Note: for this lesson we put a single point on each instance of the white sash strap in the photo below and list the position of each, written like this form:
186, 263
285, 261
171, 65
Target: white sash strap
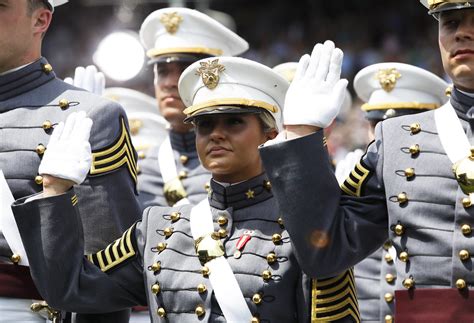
167, 165
226, 289
451, 133
8, 224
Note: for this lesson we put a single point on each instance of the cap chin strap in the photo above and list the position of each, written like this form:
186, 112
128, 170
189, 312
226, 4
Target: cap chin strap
226, 289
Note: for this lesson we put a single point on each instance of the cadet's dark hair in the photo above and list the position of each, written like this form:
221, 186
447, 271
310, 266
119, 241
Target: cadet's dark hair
36, 4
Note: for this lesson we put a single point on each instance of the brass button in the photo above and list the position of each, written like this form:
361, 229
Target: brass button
402, 198
15, 258
161, 312
255, 320
222, 220
40, 149
47, 68
168, 232
200, 311
39, 179
464, 255
387, 245
267, 185
280, 222
47, 125
388, 297
156, 267
466, 229
161, 246
389, 278
388, 258
403, 256
461, 284
448, 91
415, 128
388, 319
276, 238
139, 170
399, 230
408, 283
271, 258
183, 159
409, 172
222, 233
183, 174
267, 275
175, 216
201, 288
207, 187
466, 202
63, 104
257, 299
155, 289
414, 149
205, 271
141, 154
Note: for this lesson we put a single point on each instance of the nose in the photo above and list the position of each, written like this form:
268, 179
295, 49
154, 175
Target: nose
218, 131
465, 30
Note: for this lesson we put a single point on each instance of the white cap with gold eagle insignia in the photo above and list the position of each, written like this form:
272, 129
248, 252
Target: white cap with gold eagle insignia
232, 85
176, 33
437, 6
393, 89
55, 3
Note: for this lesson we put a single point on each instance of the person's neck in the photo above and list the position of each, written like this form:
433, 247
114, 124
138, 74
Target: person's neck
469, 93
14, 69
182, 129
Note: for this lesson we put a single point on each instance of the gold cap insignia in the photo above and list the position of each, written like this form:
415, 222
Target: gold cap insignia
209, 72
388, 78
171, 21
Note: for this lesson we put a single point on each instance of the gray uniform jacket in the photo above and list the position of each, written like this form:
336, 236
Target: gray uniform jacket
194, 178
32, 102
155, 261
402, 189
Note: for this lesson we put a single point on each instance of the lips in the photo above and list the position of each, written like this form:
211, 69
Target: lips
216, 149
463, 51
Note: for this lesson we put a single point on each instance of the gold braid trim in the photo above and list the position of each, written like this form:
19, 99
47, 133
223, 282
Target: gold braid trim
353, 184
118, 154
116, 253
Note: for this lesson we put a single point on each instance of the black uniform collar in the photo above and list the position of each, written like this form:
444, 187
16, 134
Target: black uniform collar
463, 104
25, 79
183, 142
238, 196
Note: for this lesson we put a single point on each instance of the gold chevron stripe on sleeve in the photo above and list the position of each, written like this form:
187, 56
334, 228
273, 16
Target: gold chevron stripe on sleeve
334, 298
118, 154
116, 253
354, 183
74, 200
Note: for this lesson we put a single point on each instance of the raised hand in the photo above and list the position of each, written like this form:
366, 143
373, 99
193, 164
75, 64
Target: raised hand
68, 156
88, 78
316, 94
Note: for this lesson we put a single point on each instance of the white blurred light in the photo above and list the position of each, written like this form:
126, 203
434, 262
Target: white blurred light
120, 55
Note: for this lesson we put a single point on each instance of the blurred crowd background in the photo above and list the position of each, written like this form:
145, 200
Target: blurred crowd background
368, 31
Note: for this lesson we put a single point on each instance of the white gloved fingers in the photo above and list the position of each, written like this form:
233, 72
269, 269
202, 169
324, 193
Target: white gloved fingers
335, 66
58, 130
99, 83
339, 92
301, 67
324, 61
314, 62
69, 80
79, 74
89, 78
69, 126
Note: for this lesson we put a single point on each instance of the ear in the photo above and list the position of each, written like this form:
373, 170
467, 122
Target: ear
271, 134
41, 20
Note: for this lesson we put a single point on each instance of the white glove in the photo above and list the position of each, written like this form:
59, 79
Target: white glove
68, 154
88, 78
316, 94
345, 166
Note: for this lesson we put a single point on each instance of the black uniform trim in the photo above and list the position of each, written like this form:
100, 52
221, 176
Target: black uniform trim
120, 153
357, 178
117, 252
334, 298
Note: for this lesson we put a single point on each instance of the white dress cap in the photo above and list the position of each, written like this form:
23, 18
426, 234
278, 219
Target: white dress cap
55, 3
399, 86
187, 31
232, 85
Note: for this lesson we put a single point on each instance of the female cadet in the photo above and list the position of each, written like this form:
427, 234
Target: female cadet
227, 259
